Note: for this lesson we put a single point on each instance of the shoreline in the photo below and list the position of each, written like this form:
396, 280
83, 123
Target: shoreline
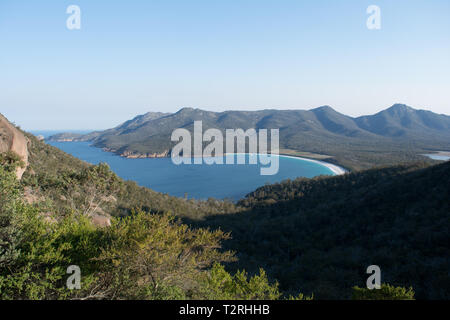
337, 170
438, 153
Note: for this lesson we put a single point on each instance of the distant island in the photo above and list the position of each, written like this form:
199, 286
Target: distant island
397, 134
65, 137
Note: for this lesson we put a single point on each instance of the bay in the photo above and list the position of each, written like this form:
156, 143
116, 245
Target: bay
194, 181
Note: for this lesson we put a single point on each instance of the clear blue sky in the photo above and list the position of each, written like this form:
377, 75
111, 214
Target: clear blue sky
133, 56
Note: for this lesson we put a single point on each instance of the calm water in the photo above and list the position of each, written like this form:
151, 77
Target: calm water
197, 181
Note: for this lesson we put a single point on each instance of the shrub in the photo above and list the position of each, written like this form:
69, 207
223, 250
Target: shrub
386, 292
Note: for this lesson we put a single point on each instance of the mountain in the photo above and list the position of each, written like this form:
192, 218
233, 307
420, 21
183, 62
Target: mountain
395, 135
403, 121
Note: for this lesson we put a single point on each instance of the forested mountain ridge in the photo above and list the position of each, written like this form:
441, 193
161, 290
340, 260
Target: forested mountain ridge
404, 121
395, 135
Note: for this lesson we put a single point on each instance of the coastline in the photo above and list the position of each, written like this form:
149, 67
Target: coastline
337, 170
438, 155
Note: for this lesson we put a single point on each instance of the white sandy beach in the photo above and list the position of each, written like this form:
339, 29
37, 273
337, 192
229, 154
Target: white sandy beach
438, 155
334, 168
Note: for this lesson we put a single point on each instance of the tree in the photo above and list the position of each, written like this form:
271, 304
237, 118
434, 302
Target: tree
154, 257
218, 284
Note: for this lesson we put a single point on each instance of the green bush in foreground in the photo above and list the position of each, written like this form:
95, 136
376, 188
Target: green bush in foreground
142, 256
10, 192
386, 292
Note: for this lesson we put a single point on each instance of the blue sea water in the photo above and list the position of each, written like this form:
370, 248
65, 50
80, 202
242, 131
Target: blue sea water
196, 181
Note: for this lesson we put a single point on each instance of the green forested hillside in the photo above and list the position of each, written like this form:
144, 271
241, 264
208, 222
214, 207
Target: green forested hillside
320, 235
315, 236
46, 226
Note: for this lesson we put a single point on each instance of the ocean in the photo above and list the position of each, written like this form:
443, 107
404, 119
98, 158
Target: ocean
193, 181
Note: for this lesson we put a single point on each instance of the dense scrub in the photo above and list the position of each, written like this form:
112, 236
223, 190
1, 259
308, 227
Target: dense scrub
319, 235
142, 256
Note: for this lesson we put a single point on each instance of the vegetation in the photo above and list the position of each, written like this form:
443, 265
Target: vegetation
66, 182
142, 256
9, 203
319, 235
396, 135
386, 292
315, 236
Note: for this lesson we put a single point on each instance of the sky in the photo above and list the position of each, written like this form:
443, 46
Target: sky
131, 57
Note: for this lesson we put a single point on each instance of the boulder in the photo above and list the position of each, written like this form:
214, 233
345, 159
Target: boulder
12, 139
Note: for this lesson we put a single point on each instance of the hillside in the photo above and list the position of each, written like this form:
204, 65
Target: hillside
315, 236
398, 134
406, 122
320, 235
49, 220
58, 176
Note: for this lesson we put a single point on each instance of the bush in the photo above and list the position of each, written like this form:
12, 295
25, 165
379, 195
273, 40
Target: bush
386, 292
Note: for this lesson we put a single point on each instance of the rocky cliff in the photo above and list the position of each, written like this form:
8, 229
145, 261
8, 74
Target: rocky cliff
12, 139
